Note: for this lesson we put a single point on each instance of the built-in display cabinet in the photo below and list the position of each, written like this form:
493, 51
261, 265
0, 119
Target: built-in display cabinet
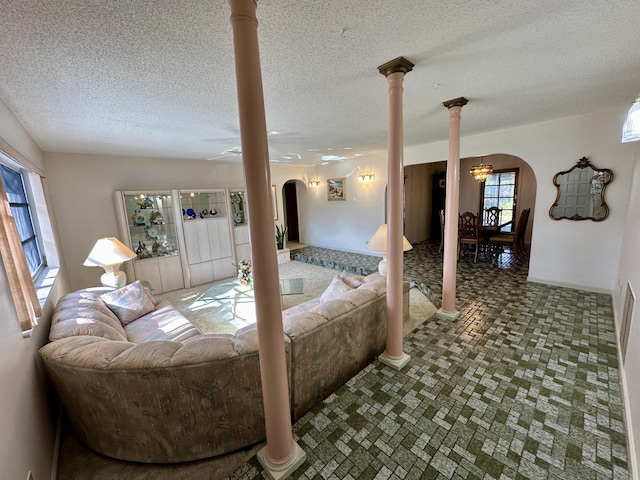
148, 225
183, 238
238, 203
207, 236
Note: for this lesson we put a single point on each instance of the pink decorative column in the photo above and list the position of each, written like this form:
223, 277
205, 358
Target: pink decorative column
451, 211
282, 455
395, 71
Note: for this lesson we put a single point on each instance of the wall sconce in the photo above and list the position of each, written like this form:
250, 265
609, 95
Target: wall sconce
631, 128
366, 177
314, 183
481, 172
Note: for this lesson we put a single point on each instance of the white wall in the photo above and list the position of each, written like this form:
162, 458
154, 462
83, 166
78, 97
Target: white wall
629, 272
559, 248
28, 415
82, 186
344, 225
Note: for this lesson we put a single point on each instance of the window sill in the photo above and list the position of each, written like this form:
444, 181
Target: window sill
44, 282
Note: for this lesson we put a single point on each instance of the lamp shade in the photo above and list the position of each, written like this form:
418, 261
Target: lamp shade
108, 251
378, 242
631, 128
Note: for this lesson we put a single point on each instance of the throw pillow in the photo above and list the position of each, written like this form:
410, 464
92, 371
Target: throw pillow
354, 281
129, 302
336, 288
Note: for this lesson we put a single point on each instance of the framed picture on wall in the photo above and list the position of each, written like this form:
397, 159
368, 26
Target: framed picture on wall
337, 189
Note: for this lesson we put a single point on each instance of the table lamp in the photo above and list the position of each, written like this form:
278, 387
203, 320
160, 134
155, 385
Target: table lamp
109, 253
378, 243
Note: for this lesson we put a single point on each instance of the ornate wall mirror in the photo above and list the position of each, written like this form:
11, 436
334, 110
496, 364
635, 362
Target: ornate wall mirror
581, 193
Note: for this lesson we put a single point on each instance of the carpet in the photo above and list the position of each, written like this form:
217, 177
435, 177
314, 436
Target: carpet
214, 308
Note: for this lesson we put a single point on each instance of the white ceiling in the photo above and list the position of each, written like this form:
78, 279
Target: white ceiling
156, 78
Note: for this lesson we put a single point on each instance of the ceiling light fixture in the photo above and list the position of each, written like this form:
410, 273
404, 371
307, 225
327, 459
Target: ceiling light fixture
481, 172
631, 128
332, 158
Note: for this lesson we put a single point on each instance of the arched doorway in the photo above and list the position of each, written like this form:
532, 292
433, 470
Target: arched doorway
425, 193
290, 209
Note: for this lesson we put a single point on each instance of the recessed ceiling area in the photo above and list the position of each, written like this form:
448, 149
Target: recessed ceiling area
157, 79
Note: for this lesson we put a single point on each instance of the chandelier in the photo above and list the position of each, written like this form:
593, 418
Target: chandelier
481, 172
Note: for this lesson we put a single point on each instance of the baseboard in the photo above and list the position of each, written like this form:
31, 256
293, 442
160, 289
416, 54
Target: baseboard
569, 285
56, 446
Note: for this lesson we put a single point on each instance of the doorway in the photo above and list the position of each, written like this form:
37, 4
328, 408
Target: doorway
290, 209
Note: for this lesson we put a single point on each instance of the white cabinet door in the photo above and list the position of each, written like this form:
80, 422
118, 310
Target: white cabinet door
147, 270
241, 239
213, 239
204, 244
163, 273
209, 250
201, 273
224, 239
223, 268
170, 273
243, 252
191, 242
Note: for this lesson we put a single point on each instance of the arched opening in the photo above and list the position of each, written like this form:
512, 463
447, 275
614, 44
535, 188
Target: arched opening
425, 193
291, 211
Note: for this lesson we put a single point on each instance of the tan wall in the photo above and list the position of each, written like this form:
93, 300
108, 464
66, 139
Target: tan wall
418, 200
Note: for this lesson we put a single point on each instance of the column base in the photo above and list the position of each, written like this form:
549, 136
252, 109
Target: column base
441, 314
278, 471
395, 363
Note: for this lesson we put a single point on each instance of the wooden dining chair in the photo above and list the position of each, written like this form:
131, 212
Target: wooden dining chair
492, 217
468, 234
514, 241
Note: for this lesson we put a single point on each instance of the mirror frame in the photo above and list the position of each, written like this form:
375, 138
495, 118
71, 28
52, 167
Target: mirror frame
583, 163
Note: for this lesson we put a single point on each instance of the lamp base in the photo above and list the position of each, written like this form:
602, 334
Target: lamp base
382, 266
115, 279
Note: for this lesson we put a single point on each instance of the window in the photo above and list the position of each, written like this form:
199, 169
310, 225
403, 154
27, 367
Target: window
20, 208
27, 245
499, 190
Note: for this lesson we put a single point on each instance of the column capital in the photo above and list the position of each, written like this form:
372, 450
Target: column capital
399, 64
456, 102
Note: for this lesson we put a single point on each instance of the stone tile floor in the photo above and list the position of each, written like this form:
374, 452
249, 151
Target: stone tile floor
525, 385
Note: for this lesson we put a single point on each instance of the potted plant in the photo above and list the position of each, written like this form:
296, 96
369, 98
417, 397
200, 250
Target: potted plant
281, 231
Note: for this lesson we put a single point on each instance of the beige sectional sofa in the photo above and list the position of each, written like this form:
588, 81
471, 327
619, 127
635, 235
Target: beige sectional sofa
156, 390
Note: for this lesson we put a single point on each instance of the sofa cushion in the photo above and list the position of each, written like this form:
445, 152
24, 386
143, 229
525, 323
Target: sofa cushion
129, 302
81, 326
163, 323
337, 287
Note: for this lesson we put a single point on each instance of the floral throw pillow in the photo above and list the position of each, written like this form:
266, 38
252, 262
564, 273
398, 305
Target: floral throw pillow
354, 281
129, 302
336, 288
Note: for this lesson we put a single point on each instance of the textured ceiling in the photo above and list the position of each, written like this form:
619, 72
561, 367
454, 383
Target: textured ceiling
156, 78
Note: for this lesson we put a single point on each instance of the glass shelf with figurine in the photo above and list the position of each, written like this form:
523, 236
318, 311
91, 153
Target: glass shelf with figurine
152, 229
203, 204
